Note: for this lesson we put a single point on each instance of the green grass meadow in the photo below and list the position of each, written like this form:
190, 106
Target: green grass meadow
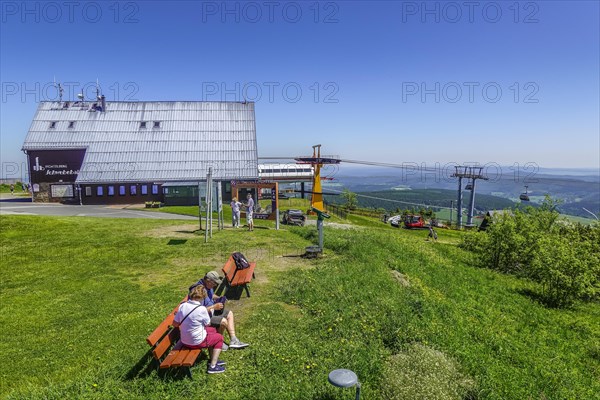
411, 317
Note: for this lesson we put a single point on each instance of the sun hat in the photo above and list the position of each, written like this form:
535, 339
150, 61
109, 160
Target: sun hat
214, 276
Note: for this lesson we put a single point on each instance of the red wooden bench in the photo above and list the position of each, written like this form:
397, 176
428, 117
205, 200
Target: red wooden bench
165, 337
237, 277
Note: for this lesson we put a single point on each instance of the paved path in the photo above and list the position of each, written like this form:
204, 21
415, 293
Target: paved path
13, 205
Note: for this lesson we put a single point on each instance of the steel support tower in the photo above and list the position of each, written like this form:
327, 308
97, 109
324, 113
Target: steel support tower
472, 174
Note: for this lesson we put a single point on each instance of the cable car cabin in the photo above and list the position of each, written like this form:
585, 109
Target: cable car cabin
469, 187
524, 196
414, 222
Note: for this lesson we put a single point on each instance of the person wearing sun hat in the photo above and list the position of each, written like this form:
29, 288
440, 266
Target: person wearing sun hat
221, 317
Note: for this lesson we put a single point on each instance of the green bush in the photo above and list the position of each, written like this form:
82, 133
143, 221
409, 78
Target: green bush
568, 268
533, 243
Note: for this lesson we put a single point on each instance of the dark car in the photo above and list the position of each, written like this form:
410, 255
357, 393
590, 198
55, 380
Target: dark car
293, 217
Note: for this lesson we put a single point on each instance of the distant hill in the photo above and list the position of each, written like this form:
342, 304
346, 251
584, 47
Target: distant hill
578, 190
428, 197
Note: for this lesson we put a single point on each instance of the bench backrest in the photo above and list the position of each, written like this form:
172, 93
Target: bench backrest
163, 346
229, 269
164, 332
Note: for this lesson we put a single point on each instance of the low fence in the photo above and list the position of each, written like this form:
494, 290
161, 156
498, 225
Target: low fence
336, 210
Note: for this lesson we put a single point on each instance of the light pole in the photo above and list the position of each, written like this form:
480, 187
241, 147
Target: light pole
345, 378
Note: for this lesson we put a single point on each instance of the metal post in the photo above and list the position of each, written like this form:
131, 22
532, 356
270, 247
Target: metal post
199, 206
320, 230
208, 205
221, 223
211, 204
459, 204
301, 190
451, 209
471, 204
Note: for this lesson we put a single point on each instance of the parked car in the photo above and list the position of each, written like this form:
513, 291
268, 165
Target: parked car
396, 221
414, 222
293, 217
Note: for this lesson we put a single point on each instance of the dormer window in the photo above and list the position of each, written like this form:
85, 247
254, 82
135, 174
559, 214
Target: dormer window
156, 124
143, 125
71, 124
53, 125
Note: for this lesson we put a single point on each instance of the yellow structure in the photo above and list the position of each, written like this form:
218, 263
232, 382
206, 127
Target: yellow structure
317, 162
317, 195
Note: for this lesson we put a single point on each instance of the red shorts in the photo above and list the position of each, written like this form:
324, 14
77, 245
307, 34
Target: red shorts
213, 339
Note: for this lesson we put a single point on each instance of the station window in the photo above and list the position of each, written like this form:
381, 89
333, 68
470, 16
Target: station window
156, 124
122, 190
144, 190
71, 124
88, 191
100, 191
143, 124
154, 189
133, 190
111, 191
52, 124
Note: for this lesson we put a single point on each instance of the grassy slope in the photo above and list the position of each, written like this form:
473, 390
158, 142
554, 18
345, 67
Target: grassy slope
80, 295
512, 346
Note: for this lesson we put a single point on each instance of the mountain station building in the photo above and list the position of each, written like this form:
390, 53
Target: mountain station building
132, 152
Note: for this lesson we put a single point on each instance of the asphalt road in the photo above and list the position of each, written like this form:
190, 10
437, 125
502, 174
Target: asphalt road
16, 205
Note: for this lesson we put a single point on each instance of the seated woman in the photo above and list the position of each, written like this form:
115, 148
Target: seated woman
196, 333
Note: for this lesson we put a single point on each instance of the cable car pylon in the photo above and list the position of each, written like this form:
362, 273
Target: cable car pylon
317, 161
472, 173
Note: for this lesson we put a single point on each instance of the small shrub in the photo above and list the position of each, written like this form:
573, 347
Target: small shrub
424, 373
567, 269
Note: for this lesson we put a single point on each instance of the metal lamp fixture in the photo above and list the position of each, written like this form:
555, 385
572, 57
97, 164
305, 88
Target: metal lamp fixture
345, 378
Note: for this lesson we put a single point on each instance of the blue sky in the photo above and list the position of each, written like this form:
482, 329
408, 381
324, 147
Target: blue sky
394, 82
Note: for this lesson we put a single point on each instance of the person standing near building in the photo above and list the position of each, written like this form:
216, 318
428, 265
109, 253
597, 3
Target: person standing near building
235, 212
250, 212
12, 188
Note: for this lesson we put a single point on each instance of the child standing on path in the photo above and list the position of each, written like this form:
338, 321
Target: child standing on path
235, 212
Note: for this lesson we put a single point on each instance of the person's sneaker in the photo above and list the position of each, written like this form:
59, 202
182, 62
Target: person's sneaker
220, 363
225, 347
217, 369
236, 344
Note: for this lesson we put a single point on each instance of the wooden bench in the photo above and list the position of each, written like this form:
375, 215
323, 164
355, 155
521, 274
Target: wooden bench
166, 337
237, 277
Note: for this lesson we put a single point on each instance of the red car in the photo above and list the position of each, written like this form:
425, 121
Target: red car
414, 222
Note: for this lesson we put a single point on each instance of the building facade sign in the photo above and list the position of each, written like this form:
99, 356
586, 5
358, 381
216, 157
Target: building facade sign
55, 165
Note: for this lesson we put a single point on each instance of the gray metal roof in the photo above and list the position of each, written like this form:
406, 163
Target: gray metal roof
192, 136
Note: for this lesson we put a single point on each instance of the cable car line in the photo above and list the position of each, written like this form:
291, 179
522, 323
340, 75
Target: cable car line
394, 201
